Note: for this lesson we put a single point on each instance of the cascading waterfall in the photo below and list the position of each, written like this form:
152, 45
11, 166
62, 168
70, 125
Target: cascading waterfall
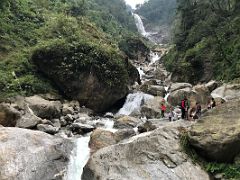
141, 72
134, 102
139, 25
81, 151
78, 158
154, 57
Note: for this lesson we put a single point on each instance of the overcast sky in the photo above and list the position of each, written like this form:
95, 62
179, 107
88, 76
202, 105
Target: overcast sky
133, 3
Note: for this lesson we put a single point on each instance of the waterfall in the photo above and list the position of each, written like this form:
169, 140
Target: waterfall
154, 57
81, 151
78, 158
134, 102
141, 72
139, 25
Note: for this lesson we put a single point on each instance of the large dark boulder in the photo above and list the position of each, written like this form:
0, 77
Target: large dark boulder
135, 48
95, 75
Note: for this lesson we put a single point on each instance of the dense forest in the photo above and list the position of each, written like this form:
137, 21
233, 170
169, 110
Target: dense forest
207, 41
28, 26
158, 12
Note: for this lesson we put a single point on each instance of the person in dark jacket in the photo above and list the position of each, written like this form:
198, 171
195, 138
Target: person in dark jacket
184, 108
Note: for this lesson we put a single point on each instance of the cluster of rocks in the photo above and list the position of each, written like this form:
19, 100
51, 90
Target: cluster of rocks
48, 115
153, 155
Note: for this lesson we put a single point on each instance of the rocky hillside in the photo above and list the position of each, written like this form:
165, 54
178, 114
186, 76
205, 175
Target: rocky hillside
206, 41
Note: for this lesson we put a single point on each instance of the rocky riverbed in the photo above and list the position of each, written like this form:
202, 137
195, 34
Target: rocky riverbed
53, 133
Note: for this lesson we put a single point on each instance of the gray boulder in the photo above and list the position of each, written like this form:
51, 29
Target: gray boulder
126, 122
124, 134
47, 128
177, 86
217, 135
212, 85
227, 92
44, 108
28, 120
156, 90
147, 126
151, 108
32, 155
101, 138
80, 128
153, 155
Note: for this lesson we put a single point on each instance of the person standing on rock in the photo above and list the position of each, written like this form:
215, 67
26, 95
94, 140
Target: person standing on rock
198, 110
213, 103
184, 108
171, 114
163, 109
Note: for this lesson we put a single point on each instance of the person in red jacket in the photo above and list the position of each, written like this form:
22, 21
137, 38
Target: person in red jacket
163, 109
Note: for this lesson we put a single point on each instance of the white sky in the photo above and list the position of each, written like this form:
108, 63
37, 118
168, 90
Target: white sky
133, 3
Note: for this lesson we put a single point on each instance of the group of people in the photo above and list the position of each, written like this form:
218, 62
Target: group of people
186, 112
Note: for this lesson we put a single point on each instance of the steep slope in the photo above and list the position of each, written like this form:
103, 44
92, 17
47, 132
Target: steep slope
206, 41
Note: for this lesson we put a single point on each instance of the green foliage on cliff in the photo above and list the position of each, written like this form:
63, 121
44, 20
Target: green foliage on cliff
26, 25
158, 12
207, 41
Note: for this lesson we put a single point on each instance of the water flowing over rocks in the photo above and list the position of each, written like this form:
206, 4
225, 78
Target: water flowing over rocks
216, 135
28, 155
134, 102
155, 155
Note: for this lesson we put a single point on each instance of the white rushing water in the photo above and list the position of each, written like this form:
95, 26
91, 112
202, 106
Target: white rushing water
140, 25
81, 151
134, 102
78, 158
141, 72
154, 57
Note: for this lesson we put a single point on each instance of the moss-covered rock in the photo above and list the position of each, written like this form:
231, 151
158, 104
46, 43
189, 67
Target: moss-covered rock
135, 48
94, 74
